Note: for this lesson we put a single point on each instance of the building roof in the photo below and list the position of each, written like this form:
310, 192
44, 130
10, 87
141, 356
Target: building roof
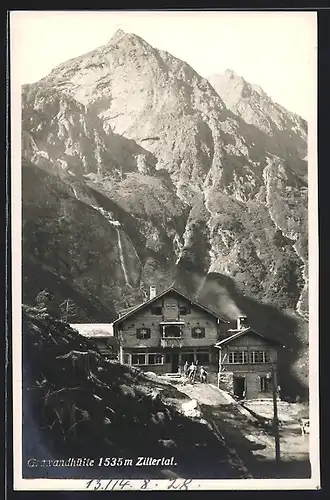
171, 289
125, 311
94, 330
242, 332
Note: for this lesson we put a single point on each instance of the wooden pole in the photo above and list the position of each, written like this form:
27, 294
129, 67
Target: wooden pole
219, 368
275, 418
121, 350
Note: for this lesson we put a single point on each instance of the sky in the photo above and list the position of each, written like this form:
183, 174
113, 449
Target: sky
276, 50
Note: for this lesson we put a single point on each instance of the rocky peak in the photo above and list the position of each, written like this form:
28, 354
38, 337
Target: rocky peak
233, 87
231, 75
117, 36
287, 130
122, 39
247, 89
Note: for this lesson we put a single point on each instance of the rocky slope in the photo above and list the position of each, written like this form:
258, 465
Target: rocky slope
136, 172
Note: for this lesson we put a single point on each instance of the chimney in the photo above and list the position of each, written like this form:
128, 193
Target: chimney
152, 292
241, 322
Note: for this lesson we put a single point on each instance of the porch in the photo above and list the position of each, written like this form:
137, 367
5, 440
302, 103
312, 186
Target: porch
171, 360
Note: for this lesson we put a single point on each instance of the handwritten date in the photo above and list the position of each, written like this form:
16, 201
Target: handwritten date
144, 484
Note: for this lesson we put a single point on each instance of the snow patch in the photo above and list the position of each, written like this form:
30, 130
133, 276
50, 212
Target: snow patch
44, 154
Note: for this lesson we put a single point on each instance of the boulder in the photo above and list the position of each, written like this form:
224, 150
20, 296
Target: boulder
167, 443
158, 418
191, 409
128, 391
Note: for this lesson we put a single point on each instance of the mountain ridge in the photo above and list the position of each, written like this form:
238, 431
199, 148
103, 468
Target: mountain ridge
250, 102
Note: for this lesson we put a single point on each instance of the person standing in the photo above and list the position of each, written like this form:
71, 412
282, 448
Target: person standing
203, 374
191, 371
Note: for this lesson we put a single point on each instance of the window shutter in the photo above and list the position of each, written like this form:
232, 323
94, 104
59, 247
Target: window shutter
143, 333
198, 332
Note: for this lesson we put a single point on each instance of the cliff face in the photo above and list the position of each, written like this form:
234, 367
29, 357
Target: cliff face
139, 171
284, 133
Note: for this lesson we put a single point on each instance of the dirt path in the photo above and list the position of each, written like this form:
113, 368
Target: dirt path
253, 444
205, 394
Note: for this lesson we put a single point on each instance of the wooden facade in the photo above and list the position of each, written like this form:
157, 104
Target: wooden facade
168, 330
247, 364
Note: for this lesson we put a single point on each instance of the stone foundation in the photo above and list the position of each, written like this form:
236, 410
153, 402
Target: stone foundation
226, 382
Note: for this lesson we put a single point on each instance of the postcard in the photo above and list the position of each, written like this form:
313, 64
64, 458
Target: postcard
164, 250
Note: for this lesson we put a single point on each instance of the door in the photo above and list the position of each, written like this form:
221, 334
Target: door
239, 387
187, 357
175, 363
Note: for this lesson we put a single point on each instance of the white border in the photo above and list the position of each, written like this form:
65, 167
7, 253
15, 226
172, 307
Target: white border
80, 484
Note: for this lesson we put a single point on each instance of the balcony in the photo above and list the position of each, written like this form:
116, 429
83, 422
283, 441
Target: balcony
171, 342
171, 334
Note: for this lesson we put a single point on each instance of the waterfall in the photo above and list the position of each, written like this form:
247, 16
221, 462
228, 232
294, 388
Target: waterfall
74, 192
121, 256
109, 217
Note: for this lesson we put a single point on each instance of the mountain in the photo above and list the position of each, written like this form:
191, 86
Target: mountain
137, 172
285, 133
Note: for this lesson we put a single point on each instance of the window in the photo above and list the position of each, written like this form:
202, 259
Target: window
259, 357
155, 359
184, 310
172, 331
126, 359
265, 384
156, 310
171, 305
198, 332
143, 333
203, 357
238, 357
139, 359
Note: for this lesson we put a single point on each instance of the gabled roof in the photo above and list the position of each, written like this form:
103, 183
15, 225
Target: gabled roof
240, 333
165, 292
125, 311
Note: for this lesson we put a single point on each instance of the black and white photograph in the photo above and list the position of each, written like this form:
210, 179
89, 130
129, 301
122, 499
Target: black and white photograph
164, 250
